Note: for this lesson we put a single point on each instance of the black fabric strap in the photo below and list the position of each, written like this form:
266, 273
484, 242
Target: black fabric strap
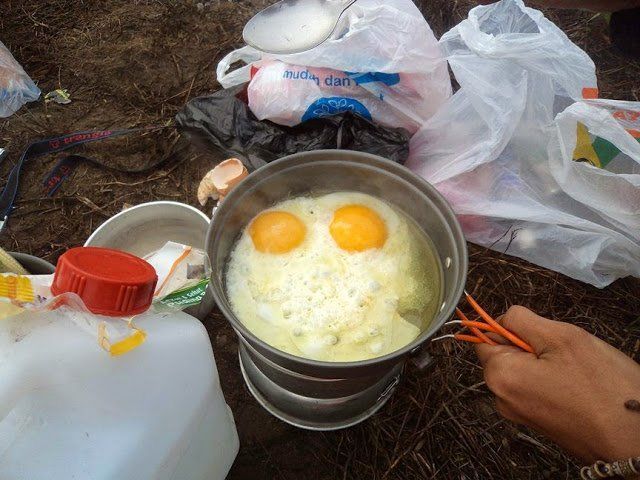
58, 144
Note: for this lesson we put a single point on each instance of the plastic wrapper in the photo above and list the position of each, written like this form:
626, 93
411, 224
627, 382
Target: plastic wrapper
224, 120
183, 276
16, 88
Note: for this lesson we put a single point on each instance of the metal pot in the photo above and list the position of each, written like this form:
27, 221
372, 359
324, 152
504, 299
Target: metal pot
329, 395
33, 265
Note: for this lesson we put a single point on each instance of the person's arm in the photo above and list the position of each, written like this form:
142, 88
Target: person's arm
577, 390
593, 5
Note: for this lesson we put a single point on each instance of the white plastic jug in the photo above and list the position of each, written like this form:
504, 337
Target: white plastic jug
70, 410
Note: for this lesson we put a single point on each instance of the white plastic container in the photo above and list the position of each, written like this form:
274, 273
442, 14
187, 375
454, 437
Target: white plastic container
69, 410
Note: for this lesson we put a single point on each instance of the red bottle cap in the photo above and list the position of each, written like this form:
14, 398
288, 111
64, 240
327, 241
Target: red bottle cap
109, 282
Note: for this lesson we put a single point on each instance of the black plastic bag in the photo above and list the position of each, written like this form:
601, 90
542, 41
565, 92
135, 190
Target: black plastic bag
224, 120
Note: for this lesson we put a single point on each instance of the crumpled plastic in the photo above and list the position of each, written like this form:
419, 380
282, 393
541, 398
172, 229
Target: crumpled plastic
16, 88
224, 120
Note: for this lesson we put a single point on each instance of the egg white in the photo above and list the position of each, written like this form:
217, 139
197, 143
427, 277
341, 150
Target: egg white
321, 302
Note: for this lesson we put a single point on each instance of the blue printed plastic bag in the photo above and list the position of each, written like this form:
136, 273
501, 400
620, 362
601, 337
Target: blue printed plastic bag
291, 94
16, 88
382, 62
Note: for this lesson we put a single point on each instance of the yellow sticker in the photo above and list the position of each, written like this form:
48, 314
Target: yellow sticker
584, 151
16, 287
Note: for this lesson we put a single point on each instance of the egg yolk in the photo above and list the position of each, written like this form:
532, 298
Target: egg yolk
356, 228
276, 232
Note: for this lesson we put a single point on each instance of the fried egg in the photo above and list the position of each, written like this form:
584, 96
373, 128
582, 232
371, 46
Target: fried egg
338, 277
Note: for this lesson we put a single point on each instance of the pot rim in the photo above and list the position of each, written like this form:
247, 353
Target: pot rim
395, 169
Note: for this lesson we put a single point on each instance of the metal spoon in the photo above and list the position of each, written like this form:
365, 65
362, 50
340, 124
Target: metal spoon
292, 26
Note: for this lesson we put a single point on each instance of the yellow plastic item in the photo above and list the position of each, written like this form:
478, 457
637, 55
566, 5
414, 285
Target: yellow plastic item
122, 346
16, 287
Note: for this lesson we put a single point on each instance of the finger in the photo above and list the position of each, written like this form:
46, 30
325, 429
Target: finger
506, 371
537, 331
488, 352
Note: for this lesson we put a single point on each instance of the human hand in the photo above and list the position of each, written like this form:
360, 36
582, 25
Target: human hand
573, 390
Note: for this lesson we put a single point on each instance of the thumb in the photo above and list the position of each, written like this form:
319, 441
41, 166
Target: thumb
537, 331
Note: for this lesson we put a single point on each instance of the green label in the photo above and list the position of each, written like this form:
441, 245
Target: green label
185, 297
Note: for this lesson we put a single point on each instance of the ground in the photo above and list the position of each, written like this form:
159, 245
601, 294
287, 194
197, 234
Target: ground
130, 63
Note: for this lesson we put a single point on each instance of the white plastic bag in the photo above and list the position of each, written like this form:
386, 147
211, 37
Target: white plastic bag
16, 88
594, 157
504, 160
385, 50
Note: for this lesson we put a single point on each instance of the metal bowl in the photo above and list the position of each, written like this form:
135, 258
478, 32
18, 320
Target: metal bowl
144, 228
33, 265
318, 172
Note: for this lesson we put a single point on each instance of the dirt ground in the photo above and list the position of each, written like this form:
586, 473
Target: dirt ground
132, 63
